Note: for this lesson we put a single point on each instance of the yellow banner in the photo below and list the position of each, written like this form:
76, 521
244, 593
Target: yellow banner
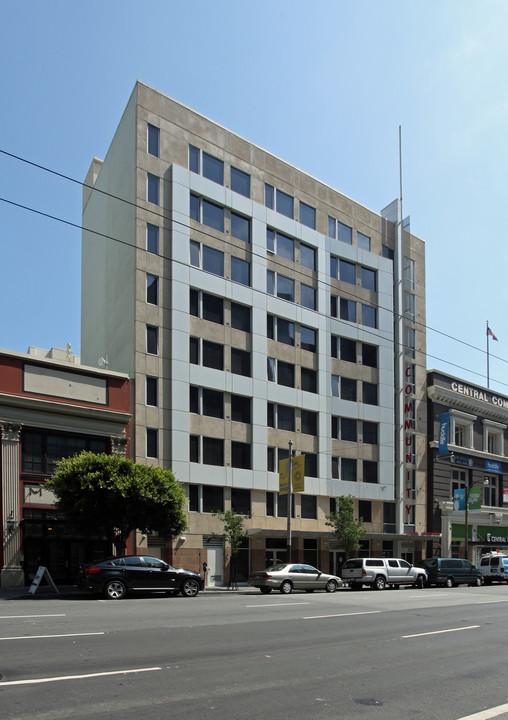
297, 475
283, 477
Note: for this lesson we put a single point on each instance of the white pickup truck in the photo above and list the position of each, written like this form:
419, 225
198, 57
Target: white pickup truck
380, 572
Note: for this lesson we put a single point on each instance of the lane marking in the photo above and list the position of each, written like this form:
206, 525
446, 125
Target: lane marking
318, 617
15, 617
486, 714
490, 602
38, 681
38, 637
440, 632
278, 604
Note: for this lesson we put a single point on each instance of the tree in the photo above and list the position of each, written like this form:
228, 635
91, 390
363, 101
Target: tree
346, 529
234, 533
112, 495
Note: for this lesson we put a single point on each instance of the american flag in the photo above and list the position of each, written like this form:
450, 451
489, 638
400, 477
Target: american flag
489, 332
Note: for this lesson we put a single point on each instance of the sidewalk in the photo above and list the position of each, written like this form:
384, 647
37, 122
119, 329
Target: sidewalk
66, 591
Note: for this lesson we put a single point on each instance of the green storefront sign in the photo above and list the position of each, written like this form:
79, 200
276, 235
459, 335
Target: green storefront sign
485, 534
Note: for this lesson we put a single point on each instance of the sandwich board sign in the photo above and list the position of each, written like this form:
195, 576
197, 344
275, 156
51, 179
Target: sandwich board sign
41, 572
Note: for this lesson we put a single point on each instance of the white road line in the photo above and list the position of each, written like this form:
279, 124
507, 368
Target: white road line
277, 604
16, 617
439, 632
38, 637
486, 714
37, 681
319, 617
489, 602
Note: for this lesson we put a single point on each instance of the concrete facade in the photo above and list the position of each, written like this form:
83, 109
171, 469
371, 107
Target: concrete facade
253, 305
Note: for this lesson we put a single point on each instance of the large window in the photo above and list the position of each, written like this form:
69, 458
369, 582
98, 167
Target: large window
369, 316
369, 355
205, 212
153, 140
307, 296
240, 182
152, 392
152, 188
308, 506
240, 227
241, 455
281, 417
368, 278
152, 340
240, 317
363, 241
343, 349
344, 388
40, 451
280, 244
240, 501
309, 379
280, 329
307, 257
152, 443
308, 339
284, 203
369, 393
152, 238
152, 289
240, 271
344, 469
206, 498
280, 372
240, 409
309, 422
240, 362
344, 429
210, 166
207, 258
340, 231
370, 471
307, 215
280, 285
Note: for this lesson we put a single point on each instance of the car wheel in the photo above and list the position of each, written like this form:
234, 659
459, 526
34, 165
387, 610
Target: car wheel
379, 583
419, 582
115, 590
476, 583
331, 586
449, 582
189, 588
266, 591
286, 587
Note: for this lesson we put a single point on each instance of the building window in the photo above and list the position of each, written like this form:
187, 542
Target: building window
194, 399
308, 507
152, 188
153, 140
240, 362
240, 227
309, 422
365, 510
347, 310
280, 244
369, 316
409, 273
307, 215
461, 428
280, 285
308, 339
369, 355
344, 388
307, 257
409, 307
213, 403
152, 391
369, 393
270, 505
240, 182
207, 258
240, 455
493, 440
344, 429
491, 494
213, 355
152, 340
40, 450
368, 278
269, 196
311, 465
213, 451
152, 239
194, 448
307, 297
240, 317
281, 417
347, 272
213, 168
283, 371
309, 381
207, 213
194, 159
344, 469
370, 471
284, 204
240, 409
240, 501
280, 329
194, 350
213, 498
345, 233
240, 271
152, 450
343, 349
193, 498
213, 308
152, 289
370, 433
363, 241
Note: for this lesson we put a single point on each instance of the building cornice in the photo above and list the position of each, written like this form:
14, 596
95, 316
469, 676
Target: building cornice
480, 407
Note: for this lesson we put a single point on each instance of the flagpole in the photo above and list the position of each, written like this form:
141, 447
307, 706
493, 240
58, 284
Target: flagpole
487, 353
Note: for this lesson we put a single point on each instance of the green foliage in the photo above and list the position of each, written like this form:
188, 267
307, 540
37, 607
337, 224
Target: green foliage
113, 495
234, 530
346, 529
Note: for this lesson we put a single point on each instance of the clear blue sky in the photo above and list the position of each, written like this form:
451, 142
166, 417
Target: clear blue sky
324, 85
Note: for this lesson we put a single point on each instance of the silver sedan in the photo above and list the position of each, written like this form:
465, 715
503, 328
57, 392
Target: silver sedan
287, 577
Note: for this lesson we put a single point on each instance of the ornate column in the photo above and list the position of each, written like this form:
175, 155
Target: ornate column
11, 572
119, 444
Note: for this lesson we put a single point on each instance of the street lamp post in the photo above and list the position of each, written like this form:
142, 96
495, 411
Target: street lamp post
469, 487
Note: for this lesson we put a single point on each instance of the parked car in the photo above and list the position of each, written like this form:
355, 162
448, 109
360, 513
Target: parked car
450, 572
114, 577
380, 572
494, 566
287, 577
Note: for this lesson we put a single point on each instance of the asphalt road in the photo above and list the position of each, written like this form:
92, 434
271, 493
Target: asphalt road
392, 655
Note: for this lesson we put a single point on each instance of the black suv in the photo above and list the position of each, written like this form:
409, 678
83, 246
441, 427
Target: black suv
114, 577
450, 572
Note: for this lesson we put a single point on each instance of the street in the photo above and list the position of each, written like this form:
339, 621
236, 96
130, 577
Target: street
397, 654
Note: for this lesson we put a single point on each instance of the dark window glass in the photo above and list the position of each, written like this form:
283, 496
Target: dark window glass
270, 240
213, 309
213, 355
368, 316
240, 182
213, 498
332, 227
307, 257
368, 278
309, 422
348, 350
152, 391
347, 310
307, 297
309, 506
194, 208
369, 355
308, 339
152, 289
307, 215
240, 317
282, 509
270, 506
193, 498
270, 327
333, 305
151, 443
369, 393
348, 389
213, 215
387, 252
193, 399
153, 140
311, 465
240, 271
194, 159
285, 374
335, 427
269, 196
270, 282
240, 409
347, 272
213, 454
270, 415
285, 331
334, 266
285, 247
152, 339
285, 418
240, 501
285, 204
240, 227
213, 169
270, 369
345, 233
333, 505
194, 448
363, 241
213, 403
285, 288
213, 261
152, 189
348, 469
195, 253
365, 510
194, 302
152, 238
194, 350
240, 455
348, 429
369, 471
309, 380
370, 433
240, 362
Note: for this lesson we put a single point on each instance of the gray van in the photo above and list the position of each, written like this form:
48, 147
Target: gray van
450, 572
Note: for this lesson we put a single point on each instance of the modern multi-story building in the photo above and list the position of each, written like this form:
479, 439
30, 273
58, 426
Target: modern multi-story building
51, 407
468, 437
255, 306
